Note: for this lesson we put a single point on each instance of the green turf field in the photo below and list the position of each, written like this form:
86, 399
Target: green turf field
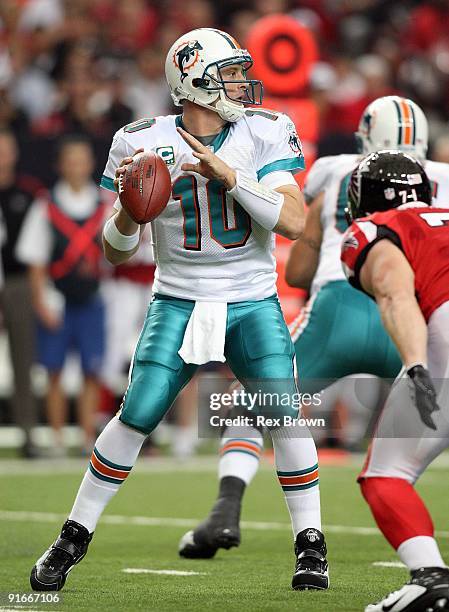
254, 577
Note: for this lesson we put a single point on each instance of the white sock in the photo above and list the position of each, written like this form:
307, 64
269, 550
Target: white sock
115, 453
240, 453
421, 551
297, 469
184, 441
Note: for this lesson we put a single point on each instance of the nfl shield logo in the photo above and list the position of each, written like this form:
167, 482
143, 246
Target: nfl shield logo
389, 193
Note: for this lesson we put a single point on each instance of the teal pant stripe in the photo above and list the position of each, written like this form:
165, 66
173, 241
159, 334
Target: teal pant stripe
249, 440
299, 472
115, 466
302, 487
239, 450
105, 478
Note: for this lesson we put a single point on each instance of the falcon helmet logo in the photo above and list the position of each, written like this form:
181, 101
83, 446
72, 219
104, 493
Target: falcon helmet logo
186, 56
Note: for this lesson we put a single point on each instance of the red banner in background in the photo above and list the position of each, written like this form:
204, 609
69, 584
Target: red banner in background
284, 52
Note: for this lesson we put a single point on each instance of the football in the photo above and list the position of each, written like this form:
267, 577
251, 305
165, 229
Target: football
144, 189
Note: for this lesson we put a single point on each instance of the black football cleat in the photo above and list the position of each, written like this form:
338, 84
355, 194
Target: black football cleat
426, 591
51, 570
220, 530
311, 569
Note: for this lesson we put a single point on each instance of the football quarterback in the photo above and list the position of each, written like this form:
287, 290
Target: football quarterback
231, 165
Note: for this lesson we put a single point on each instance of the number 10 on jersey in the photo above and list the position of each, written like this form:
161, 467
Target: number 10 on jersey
185, 190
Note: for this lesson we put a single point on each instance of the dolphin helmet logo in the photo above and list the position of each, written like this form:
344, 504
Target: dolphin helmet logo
186, 56
368, 122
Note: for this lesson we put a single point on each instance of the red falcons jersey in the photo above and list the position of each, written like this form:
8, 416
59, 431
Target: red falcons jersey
421, 232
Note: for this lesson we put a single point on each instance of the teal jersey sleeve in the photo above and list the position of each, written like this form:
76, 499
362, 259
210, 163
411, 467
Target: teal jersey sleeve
119, 149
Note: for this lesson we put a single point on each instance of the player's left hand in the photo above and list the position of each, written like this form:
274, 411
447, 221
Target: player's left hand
425, 394
121, 168
210, 166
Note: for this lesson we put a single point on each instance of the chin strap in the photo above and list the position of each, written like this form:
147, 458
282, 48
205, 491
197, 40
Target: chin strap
228, 111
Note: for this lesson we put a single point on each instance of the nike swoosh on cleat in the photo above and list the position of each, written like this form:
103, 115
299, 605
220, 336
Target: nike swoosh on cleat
411, 594
390, 607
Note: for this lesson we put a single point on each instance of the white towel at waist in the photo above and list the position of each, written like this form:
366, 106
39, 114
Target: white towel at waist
205, 334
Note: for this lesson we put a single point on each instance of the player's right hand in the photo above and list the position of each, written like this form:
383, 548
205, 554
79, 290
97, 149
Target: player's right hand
425, 394
121, 167
209, 165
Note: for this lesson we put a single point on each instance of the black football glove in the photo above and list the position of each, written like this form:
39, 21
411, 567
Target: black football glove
425, 394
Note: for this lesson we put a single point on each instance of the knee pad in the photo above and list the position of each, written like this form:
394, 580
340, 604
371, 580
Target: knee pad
148, 397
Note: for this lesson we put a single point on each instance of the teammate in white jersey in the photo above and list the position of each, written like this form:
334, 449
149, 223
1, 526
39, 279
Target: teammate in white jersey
215, 295
339, 332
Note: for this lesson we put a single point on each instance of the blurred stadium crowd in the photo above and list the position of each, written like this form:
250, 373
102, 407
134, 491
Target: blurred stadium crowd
87, 67
91, 66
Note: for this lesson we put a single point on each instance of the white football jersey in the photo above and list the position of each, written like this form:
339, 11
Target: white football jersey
331, 174
206, 246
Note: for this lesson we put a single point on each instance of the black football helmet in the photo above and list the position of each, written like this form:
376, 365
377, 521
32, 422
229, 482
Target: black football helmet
385, 180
